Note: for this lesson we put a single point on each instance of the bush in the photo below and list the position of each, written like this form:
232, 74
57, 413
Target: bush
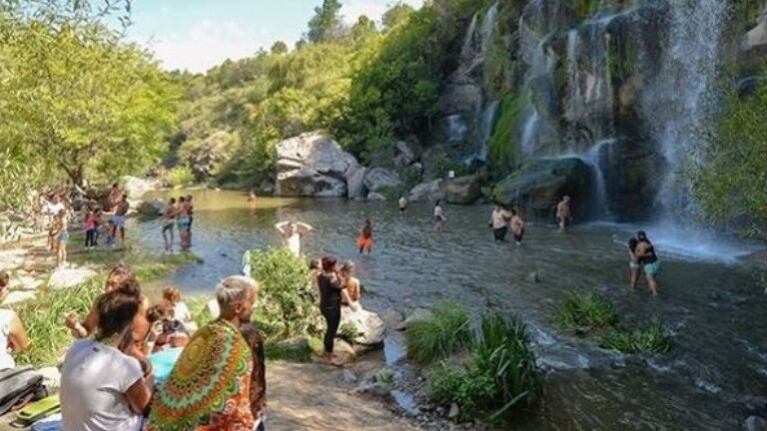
652, 339
180, 176
447, 332
500, 377
349, 332
285, 292
586, 309
299, 350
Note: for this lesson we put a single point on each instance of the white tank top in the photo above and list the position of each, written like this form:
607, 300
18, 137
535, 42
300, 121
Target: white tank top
6, 317
294, 243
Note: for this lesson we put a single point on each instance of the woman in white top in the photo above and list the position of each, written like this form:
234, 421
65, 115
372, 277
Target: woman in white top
292, 232
12, 333
103, 386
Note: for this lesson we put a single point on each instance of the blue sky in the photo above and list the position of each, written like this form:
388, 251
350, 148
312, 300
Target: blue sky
198, 34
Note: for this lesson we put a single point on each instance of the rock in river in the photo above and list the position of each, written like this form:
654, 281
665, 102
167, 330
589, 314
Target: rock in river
313, 164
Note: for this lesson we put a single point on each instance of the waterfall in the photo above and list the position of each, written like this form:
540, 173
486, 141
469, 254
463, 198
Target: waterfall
593, 157
679, 106
486, 131
541, 66
468, 44
456, 128
488, 28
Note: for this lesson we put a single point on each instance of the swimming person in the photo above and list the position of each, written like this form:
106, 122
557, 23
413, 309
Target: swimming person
365, 239
292, 232
633, 263
517, 226
648, 260
499, 222
564, 214
168, 220
439, 216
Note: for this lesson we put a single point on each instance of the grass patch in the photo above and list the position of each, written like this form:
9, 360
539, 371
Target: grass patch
348, 331
502, 146
651, 339
294, 350
586, 310
500, 378
447, 332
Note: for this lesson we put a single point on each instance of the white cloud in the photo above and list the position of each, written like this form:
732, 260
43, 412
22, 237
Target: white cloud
374, 9
206, 44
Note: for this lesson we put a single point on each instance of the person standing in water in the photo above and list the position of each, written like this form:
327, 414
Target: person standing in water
564, 214
648, 261
365, 239
402, 204
499, 222
121, 213
517, 226
292, 232
252, 198
168, 220
633, 263
439, 216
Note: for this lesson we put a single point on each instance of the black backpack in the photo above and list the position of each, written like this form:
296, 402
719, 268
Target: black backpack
19, 386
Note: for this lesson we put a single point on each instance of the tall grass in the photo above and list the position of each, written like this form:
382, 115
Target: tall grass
651, 339
447, 332
500, 378
586, 309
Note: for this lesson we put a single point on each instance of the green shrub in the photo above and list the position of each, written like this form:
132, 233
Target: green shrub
180, 176
502, 146
500, 377
652, 339
447, 332
586, 309
285, 294
348, 331
299, 350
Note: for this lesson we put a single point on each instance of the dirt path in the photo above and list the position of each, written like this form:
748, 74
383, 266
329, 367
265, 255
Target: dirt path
315, 397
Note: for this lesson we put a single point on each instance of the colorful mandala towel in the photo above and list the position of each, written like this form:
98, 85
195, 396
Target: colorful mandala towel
209, 387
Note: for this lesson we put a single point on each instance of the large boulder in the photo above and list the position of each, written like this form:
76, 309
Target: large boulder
355, 183
370, 327
539, 184
151, 208
137, 187
377, 179
313, 164
753, 47
463, 190
428, 191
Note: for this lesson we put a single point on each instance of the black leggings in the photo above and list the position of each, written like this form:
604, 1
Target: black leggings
333, 318
90, 238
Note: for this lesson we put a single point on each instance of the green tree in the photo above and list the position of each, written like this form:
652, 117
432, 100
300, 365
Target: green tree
363, 28
279, 48
83, 102
397, 14
327, 23
731, 179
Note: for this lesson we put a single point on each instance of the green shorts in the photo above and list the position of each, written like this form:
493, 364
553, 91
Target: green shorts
652, 269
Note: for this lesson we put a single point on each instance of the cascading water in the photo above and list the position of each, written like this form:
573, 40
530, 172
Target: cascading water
486, 131
680, 104
488, 28
468, 44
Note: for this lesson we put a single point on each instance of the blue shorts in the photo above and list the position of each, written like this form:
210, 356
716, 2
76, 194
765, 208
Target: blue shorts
119, 220
63, 237
652, 269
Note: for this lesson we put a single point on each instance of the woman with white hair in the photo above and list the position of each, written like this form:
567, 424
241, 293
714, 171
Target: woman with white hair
211, 385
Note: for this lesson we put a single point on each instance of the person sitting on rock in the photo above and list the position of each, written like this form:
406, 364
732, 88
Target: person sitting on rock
352, 285
13, 335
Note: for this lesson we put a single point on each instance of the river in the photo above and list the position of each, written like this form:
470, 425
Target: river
714, 377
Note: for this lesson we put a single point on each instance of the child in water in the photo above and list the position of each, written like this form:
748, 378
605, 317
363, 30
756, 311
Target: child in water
365, 239
109, 232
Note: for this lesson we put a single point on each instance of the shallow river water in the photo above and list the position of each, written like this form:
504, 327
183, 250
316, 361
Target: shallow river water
715, 376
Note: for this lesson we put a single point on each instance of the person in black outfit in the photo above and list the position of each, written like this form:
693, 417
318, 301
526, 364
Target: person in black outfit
331, 291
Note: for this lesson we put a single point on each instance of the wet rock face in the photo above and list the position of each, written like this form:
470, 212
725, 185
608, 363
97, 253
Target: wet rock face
539, 184
313, 164
463, 190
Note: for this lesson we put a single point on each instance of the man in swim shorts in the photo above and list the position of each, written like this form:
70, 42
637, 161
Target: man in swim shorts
499, 222
517, 226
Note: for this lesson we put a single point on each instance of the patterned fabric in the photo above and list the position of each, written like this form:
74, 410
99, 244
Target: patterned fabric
209, 388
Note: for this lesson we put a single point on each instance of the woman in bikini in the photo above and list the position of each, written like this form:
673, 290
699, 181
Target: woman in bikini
365, 238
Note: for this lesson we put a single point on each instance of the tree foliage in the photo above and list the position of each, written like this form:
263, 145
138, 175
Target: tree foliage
731, 180
327, 23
